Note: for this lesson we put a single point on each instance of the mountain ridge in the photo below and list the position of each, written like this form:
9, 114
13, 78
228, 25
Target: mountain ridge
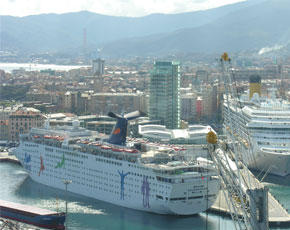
198, 31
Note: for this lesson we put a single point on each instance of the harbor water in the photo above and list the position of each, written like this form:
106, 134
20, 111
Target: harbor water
8, 67
90, 214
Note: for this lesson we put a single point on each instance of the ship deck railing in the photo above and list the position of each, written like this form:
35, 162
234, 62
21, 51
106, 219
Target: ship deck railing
95, 150
273, 151
185, 178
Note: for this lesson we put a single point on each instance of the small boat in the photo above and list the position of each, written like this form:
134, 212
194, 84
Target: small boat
31, 215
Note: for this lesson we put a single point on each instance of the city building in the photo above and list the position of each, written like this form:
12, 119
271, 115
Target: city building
105, 124
165, 94
6, 111
103, 103
4, 129
98, 67
188, 107
23, 120
209, 98
199, 109
202, 75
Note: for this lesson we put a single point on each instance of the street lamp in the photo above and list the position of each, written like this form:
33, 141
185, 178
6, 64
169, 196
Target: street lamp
66, 183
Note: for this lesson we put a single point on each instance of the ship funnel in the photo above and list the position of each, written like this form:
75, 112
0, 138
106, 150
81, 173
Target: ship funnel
119, 132
255, 85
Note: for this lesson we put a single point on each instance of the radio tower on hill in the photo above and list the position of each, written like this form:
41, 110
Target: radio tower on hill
85, 45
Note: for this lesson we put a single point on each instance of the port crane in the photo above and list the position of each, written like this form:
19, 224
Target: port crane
246, 199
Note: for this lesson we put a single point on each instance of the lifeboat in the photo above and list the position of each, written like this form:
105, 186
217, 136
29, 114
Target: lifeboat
131, 151
47, 137
118, 150
36, 137
105, 147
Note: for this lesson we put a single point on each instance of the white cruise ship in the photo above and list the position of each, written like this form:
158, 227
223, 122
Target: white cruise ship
133, 174
266, 121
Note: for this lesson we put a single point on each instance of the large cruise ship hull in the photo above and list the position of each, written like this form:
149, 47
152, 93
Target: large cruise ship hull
265, 160
117, 182
271, 162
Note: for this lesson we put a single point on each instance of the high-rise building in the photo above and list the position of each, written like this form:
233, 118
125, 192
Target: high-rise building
165, 94
98, 67
209, 101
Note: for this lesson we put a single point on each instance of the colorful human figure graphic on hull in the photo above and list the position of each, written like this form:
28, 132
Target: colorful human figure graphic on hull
145, 189
61, 164
41, 166
27, 158
122, 175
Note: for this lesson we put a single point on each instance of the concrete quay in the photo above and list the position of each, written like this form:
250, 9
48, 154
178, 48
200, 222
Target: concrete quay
278, 215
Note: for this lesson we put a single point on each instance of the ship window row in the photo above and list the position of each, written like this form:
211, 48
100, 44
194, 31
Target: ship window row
273, 143
178, 198
53, 156
194, 197
48, 149
72, 170
269, 128
141, 175
95, 170
30, 145
30, 151
189, 198
175, 180
72, 154
109, 161
181, 170
138, 167
76, 161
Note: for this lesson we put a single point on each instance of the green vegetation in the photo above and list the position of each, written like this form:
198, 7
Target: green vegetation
7, 103
11, 92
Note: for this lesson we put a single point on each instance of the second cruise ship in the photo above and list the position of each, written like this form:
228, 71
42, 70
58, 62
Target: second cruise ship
265, 123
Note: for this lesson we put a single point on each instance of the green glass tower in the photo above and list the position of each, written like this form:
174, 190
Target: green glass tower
165, 94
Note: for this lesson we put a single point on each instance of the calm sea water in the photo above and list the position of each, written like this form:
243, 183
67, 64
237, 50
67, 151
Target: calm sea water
90, 214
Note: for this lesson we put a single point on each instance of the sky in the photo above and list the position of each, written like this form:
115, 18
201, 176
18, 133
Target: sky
128, 8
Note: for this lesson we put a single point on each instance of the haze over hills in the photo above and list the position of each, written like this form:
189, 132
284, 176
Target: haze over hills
246, 25
65, 31
251, 28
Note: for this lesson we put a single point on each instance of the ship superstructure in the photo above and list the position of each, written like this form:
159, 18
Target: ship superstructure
265, 122
134, 174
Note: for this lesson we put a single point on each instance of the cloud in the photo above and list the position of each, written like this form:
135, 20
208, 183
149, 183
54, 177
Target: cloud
131, 8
